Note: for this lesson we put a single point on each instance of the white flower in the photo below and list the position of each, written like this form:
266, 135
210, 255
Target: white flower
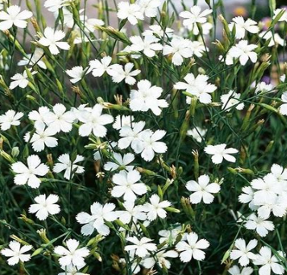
242, 26
141, 247
243, 251
132, 136
236, 271
16, 253
155, 208
131, 12
149, 7
231, 99
284, 15
244, 52
264, 88
194, 17
160, 258
119, 73
192, 248
28, 175
283, 107
268, 262
98, 67
275, 38
127, 185
39, 117
197, 86
147, 98
72, 270
99, 214
10, 118
247, 197
20, 80
157, 29
180, 48
169, 236
151, 144
132, 212
197, 133
45, 206
148, 45
34, 59
52, 39
280, 173
203, 190
120, 162
42, 137
72, 255
59, 119
262, 226
69, 166
198, 48
76, 74
219, 153
14, 16
122, 121
55, 5
94, 122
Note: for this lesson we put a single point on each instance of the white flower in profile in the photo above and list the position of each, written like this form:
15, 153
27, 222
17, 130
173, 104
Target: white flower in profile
72, 270
158, 31
203, 190
72, 254
76, 74
94, 122
149, 7
280, 173
148, 45
39, 116
242, 26
180, 48
274, 38
192, 248
264, 88
69, 166
55, 5
196, 16
132, 212
235, 270
231, 99
16, 253
122, 121
42, 137
99, 214
52, 39
28, 174
197, 133
155, 207
284, 15
151, 144
268, 262
128, 185
120, 73
34, 59
197, 86
60, 119
170, 235
141, 247
198, 48
160, 258
283, 107
10, 118
20, 80
244, 52
247, 196
14, 16
45, 206
121, 162
147, 98
219, 152
261, 226
99, 67
131, 12
242, 251
131, 136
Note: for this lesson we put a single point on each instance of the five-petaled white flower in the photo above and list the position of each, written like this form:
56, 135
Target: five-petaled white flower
220, 152
197, 133
127, 185
76, 74
149, 7
155, 208
34, 59
243, 251
192, 248
120, 73
39, 117
28, 175
260, 225
14, 16
148, 45
242, 26
231, 99
70, 167
120, 162
235, 270
72, 255
244, 52
45, 206
52, 39
16, 253
131, 12
20, 80
94, 121
160, 258
10, 118
203, 190
99, 67
141, 247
